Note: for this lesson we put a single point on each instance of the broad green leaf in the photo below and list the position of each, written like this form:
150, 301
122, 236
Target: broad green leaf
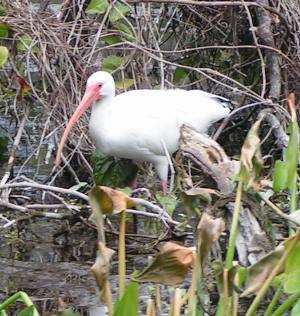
179, 75
28, 311
25, 44
111, 39
113, 62
4, 30
292, 154
118, 12
124, 84
68, 312
128, 304
2, 10
292, 271
111, 172
296, 309
167, 201
125, 29
3, 55
280, 176
97, 6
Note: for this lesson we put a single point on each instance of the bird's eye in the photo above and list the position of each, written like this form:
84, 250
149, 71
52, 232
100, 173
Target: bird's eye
100, 85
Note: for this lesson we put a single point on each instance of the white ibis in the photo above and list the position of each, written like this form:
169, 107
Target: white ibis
143, 124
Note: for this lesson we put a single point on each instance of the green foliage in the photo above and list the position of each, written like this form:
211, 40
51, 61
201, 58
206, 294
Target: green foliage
4, 30
68, 312
97, 6
124, 84
285, 171
296, 309
118, 12
111, 172
27, 311
292, 271
125, 29
128, 304
179, 75
25, 44
113, 62
3, 55
111, 39
169, 201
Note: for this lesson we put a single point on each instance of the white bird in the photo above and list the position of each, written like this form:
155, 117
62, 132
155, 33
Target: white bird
143, 124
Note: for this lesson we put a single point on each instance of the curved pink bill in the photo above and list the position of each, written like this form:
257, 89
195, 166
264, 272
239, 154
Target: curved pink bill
90, 96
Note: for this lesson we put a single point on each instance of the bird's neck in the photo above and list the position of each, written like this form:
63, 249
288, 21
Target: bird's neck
100, 113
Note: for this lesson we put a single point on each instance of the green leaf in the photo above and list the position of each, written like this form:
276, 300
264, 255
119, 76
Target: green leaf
128, 304
169, 201
25, 44
28, 311
3, 55
124, 84
113, 62
296, 309
2, 10
285, 172
119, 11
4, 30
124, 28
292, 271
292, 154
179, 75
280, 176
111, 172
111, 39
68, 312
97, 6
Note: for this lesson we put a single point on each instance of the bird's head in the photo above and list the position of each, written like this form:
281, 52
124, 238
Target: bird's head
100, 85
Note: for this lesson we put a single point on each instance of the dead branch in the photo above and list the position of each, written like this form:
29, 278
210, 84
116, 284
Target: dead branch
210, 156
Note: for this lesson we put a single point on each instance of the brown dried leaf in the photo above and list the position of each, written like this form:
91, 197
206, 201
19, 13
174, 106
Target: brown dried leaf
101, 268
109, 201
209, 231
259, 272
251, 160
251, 146
169, 266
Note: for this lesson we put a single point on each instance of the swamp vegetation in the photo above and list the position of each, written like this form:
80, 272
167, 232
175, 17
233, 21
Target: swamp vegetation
75, 240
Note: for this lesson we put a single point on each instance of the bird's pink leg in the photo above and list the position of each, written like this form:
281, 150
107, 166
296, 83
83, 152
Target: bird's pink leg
164, 186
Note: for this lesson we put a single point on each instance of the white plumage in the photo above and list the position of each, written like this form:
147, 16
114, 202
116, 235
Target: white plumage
140, 124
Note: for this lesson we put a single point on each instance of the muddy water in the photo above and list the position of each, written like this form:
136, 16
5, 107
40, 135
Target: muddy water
51, 259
